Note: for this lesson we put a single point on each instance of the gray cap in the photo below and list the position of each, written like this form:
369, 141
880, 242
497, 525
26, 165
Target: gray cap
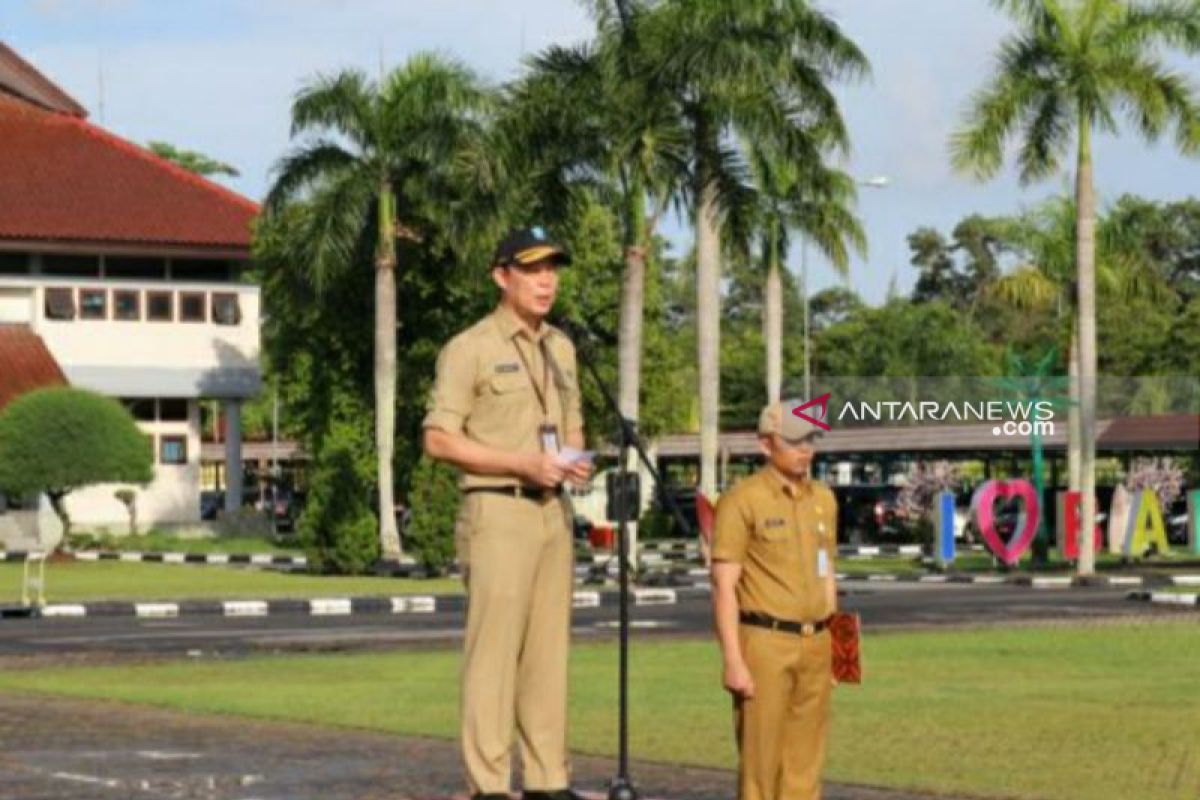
778, 418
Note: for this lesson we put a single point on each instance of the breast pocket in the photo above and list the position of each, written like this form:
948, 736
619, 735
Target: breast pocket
774, 535
509, 386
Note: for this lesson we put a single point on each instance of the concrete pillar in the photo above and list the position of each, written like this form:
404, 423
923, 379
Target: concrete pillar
233, 454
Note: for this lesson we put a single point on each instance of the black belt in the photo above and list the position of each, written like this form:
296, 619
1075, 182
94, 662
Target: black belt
788, 626
524, 492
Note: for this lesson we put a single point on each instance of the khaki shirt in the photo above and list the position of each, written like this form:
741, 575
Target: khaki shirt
484, 390
776, 530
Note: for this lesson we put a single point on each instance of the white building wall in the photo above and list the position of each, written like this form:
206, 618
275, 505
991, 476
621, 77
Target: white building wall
142, 359
143, 344
171, 499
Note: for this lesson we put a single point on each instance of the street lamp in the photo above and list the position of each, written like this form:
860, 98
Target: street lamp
874, 182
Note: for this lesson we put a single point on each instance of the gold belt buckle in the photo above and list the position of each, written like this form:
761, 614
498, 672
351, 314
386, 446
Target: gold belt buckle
808, 628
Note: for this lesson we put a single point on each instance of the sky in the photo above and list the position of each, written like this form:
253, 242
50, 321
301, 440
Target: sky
218, 76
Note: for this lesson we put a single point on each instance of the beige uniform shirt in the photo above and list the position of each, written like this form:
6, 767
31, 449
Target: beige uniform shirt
485, 388
777, 532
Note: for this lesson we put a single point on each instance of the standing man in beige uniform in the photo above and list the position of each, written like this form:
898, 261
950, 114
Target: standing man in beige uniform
505, 401
774, 542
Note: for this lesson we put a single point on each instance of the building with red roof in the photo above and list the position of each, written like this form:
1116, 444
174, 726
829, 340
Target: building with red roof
122, 272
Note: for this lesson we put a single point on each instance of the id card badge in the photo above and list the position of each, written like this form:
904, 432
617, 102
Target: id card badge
822, 564
549, 437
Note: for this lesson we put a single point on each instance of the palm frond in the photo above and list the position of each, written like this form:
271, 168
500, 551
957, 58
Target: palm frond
303, 167
341, 103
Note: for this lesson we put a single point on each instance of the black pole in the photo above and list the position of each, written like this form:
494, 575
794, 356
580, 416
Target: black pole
621, 787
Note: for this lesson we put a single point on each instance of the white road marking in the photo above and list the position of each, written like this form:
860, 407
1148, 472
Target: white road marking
91, 779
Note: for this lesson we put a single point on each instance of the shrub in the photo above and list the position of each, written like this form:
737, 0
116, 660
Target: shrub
60, 439
429, 534
338, 530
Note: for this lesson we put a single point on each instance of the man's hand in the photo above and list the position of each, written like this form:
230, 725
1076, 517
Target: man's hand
738, 681
544, 469
580, 472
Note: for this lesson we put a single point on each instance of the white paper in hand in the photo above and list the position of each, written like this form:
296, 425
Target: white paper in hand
569, 456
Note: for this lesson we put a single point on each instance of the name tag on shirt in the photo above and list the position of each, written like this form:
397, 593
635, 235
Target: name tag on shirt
822, 564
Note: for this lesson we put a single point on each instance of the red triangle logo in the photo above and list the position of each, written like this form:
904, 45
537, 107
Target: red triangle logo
822, 402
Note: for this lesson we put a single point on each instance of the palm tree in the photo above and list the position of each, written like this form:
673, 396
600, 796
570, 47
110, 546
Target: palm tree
1069, 69
613, 133
814, 200
753, 71
1045, 280
392, 156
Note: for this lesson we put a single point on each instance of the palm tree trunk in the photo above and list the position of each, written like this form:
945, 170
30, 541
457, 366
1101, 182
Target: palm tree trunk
708, 331
385, 371
1085, 255
773, 321
629, 336
1074, 435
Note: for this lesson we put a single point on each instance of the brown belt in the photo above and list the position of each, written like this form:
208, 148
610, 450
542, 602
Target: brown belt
761, 620
524, 492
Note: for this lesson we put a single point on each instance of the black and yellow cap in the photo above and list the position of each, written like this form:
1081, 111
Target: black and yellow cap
527, 246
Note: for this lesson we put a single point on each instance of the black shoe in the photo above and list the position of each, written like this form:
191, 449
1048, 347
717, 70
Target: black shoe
557, 794
490, 796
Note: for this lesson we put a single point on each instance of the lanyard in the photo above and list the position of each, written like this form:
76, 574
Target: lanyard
540, 391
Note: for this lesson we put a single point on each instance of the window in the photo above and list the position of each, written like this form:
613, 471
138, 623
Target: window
71, 266
225, 309
135, 268
60, 304
127, 305
160, 306
172, 449
14, 264
142, 408
173, 409
93, 304
192, 307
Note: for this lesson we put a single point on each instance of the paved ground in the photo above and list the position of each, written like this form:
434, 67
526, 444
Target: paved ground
64, 749
57, 749
883, 607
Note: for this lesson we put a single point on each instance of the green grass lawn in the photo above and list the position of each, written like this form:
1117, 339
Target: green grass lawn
1098, 713
160, 542
73, 582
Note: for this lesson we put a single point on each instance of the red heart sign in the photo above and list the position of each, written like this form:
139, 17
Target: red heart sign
983, 504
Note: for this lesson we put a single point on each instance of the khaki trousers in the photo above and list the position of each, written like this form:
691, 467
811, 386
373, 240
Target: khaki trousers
518, 563
781, 730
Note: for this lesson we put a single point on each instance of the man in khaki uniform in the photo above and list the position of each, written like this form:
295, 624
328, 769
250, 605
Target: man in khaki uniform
505, 401
774, 542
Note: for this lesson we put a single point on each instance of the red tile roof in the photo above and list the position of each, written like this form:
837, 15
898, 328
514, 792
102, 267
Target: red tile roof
64, 181
25, 363
18, 77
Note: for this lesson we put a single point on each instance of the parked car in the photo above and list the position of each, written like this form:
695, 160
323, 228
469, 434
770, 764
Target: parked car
870, 514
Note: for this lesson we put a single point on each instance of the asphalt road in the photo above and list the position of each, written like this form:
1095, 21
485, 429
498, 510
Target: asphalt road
882, 606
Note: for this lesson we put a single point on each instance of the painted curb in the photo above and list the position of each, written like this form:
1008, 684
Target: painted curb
1167, 598
335, 606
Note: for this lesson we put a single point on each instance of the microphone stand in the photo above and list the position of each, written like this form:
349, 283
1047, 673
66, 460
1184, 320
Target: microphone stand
621, 787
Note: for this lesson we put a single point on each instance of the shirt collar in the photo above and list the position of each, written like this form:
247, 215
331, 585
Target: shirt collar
789, 487
511, 325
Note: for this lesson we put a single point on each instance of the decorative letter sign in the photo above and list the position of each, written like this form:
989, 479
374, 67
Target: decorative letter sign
943, 529
1068, 526
1145, 526
983, 503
